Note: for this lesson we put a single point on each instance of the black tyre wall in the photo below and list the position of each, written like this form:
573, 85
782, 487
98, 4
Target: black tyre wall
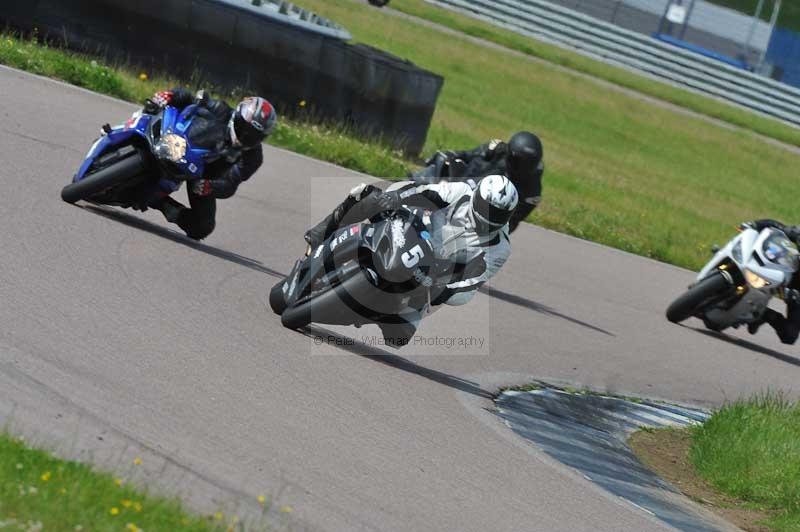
233, 48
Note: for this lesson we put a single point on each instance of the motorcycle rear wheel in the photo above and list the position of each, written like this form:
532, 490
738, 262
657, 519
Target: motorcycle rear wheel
697, 297
115, 175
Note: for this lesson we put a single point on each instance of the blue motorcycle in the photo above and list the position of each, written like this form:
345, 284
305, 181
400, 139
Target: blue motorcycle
148, 156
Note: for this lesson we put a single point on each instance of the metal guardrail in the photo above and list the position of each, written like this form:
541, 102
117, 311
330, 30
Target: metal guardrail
288, 13
619, 46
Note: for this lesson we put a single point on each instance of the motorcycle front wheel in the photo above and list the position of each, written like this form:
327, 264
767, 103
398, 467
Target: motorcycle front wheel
697, 297
336, 305
113, 176
276, 300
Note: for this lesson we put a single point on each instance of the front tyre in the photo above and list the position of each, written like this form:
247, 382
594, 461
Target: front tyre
115, 175
336, 305
277, 301
697, 297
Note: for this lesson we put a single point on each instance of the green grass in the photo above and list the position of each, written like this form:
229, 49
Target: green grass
41, 492
698, 103
620, 171
751, 450
322, 141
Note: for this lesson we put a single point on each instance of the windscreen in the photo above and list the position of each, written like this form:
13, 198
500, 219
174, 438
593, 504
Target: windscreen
780, 250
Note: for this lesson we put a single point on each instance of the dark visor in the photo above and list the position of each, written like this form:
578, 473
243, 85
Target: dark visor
246, 133
489, 212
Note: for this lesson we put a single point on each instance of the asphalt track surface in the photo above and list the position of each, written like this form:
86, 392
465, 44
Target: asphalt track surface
120, 337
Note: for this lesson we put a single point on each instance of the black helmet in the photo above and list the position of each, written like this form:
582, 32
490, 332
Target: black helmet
252, 121
524, 154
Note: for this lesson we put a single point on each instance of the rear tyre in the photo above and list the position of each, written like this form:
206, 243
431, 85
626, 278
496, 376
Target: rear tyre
115, 175
698, 296
276, 300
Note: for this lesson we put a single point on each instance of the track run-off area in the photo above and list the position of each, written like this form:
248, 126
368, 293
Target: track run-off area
119, 337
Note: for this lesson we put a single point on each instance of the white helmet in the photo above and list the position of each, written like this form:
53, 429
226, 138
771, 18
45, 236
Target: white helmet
493, 202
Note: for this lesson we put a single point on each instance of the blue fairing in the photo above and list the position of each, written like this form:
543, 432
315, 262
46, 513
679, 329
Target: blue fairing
172, 122
117, 137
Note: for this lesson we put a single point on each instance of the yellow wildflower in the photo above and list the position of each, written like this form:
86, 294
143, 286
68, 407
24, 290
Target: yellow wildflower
126, 503
286, 509
114, 511
137, 461
218, 516
143, 76
302, 103
137, 506
119, 481
132, 527
46, 476
261, 500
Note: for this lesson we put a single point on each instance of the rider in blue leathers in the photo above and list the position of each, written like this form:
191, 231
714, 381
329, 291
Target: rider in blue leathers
236, 134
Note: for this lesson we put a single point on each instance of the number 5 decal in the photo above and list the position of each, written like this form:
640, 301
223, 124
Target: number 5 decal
412, 257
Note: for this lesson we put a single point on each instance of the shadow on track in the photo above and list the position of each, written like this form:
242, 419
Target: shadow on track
538, 307
749, 345
179, 238
384, 357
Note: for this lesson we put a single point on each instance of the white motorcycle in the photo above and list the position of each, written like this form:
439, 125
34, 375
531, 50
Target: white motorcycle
736, 286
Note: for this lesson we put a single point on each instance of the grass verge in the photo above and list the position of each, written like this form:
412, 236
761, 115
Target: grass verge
743, 463
327, 142
40, 492
751, 450
619, 76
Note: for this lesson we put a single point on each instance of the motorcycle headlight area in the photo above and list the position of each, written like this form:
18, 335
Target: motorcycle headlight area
736, 252
171, 147
756, 281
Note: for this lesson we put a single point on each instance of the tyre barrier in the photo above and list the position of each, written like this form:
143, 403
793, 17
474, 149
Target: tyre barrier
298, 60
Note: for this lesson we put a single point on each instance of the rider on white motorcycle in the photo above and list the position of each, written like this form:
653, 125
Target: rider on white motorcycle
475, 233
787, 328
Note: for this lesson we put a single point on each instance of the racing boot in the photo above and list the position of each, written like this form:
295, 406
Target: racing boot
317, 234
397, 335
170, 208
753, 326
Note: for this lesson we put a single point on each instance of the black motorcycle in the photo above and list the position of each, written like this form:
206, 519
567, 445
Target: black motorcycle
443, 166
384, 272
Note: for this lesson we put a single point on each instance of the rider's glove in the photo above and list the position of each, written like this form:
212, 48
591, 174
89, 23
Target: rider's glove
162, 98
389, 201
201, 187
793, 232
791, 296
490, 148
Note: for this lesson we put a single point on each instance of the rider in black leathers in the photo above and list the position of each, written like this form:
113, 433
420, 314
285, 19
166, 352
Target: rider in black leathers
236, 134
787, 328
520, 160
